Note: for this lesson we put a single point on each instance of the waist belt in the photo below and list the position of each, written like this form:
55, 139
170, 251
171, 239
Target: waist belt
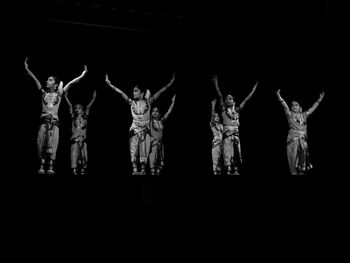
50, 121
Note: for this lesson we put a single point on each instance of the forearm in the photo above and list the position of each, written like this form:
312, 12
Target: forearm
212, 119
69, 103
284, 105
30, 73
90, 104
313, 107
245, 101
74, 81
69, 84
218, 92
169, 111
250, 95
221, 99
125, 97
161, 91
171, 108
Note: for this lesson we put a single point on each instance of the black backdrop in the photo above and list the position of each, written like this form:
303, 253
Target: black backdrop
283, 46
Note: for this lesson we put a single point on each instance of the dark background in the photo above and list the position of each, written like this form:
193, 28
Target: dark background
108, 213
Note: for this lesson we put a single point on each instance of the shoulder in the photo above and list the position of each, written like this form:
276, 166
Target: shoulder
148, 103
288, 112
59, 92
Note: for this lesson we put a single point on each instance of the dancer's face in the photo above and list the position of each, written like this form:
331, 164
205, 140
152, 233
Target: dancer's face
51, 83
137, 93
155, 113
78, 109
229, 101
217, 118
296, 107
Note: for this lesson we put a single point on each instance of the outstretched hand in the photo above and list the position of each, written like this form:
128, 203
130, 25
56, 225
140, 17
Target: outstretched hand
278, 92
107, 79
173, 98
215, 79
172, 79
321, 95
256, 84
94, 94
26, 63
213, 102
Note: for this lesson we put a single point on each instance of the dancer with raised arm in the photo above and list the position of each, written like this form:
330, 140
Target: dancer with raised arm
230, 118
156, 155
79, 153
297, 146
48, 135
216, 147
139, 132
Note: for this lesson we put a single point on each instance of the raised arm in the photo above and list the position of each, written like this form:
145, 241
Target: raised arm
170, 108
216, 85
77, 79
125, 97
315, 105
30, 73
249, 96
90, 103
159, 92
213, 103
69, 103
284, 104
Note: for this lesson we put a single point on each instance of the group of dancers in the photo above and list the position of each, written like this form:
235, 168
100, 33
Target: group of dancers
226, 145
146, 131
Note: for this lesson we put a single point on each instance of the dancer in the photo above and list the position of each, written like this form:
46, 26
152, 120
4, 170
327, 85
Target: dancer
139, 133
79, 153
156, 155
216, 150
297, 147
48, 135
230, 119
